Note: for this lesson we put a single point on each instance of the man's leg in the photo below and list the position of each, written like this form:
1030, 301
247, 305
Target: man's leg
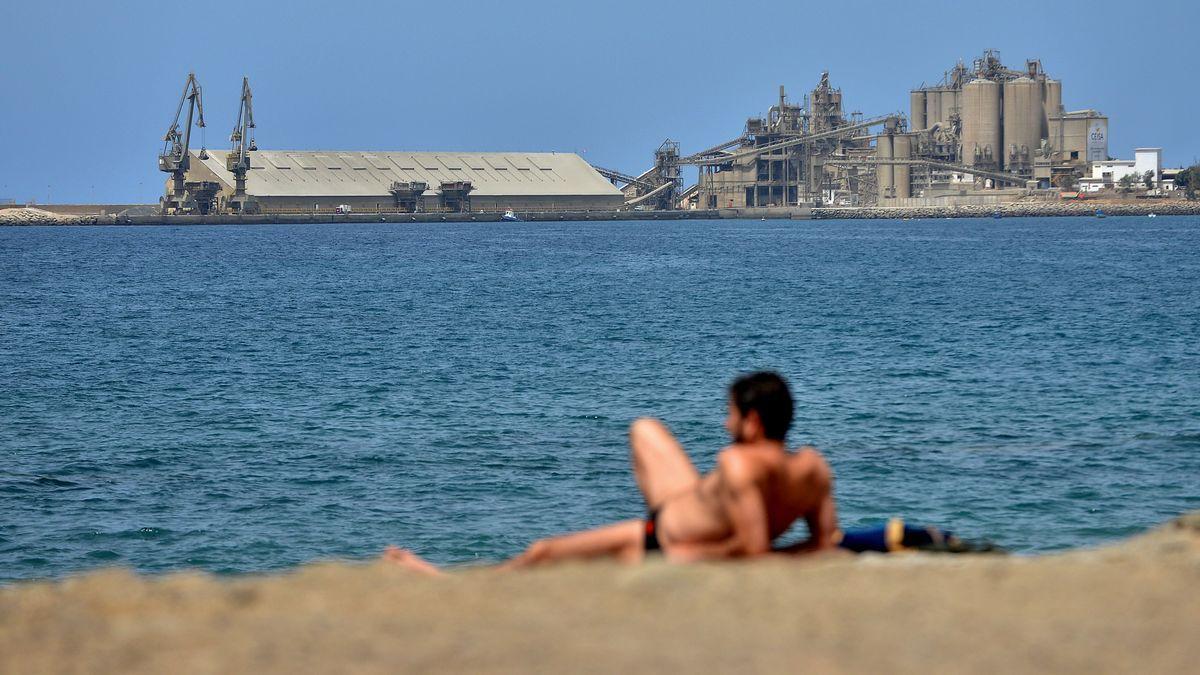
660, 464
622, 541
409, 560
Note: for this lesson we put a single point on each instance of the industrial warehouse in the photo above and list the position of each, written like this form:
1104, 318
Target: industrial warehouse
982, 134
409, 182
248, 180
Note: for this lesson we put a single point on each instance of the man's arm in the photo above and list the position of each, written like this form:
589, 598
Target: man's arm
822, 521
822, 529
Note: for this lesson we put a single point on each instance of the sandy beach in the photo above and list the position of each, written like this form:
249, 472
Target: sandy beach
1133, 606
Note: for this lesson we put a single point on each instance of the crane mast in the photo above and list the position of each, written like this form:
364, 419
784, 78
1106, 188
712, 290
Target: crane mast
176, 143
238, 159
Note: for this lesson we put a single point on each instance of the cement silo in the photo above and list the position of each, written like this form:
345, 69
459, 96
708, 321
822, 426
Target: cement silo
981, 123
949, 103
1051, 105
1023, 113
916, 107
933, 107
883, 172
902, 149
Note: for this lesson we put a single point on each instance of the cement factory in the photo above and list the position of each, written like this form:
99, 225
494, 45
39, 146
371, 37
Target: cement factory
984, 133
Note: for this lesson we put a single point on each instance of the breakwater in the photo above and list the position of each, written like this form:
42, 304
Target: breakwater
1012, 210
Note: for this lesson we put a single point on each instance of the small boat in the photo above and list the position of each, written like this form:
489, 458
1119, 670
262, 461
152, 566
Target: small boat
510, 217
997, 214
1099, 213
1152, 215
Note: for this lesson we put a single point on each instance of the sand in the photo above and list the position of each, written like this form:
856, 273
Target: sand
1130, 607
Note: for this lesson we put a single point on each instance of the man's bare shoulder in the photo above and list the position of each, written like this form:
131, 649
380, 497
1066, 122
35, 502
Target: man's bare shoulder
743, 464
809, 455
808, 462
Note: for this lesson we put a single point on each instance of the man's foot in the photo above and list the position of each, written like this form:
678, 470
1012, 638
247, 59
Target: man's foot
410, 561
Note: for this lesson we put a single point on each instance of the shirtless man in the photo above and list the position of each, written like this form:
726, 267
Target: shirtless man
755, 493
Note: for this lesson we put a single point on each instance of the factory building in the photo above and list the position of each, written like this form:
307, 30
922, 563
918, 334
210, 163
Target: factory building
1081, 137
995, 119
1108, 173
779, 159
983, 134
308, 181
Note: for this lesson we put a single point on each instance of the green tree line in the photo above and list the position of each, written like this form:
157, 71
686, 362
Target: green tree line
1188, 180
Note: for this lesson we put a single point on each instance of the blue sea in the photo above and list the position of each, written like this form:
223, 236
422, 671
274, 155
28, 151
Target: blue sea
244, 399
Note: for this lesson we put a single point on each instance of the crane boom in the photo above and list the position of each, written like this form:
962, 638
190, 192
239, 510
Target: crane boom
242, 136
174, 158
238, 159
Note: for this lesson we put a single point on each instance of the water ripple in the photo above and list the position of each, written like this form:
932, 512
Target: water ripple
250, 398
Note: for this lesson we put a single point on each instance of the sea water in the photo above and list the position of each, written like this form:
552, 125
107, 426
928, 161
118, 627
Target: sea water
242, 399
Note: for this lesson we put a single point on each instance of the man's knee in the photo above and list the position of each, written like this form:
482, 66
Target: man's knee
538, 551
644, 430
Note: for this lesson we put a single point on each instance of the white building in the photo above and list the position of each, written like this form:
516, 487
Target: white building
1109, 173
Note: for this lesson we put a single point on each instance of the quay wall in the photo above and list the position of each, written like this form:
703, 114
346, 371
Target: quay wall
38, 216
31, 216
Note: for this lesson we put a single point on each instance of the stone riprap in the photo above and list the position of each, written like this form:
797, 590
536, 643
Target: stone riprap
1012, 210
32, 216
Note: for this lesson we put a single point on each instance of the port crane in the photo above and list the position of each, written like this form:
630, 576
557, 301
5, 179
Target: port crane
238, 159
174, 158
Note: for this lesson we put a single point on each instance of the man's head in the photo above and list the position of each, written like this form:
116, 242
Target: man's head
760, 408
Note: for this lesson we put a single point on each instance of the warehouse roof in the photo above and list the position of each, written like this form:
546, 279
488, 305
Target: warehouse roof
303, 173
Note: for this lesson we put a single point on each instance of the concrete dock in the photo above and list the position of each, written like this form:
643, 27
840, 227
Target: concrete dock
76, 214
36, 216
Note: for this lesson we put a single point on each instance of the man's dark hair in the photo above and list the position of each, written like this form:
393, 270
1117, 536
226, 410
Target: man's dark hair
767, 394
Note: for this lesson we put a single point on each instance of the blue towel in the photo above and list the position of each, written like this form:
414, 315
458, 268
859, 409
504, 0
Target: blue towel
895, 536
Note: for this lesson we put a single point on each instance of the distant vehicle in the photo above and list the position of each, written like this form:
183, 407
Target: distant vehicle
342, 208
641, 207
510, 216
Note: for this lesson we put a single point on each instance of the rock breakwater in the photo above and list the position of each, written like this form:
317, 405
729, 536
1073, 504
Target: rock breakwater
31, 216
1011, 210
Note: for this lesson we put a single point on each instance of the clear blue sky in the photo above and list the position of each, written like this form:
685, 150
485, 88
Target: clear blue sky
87, 89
